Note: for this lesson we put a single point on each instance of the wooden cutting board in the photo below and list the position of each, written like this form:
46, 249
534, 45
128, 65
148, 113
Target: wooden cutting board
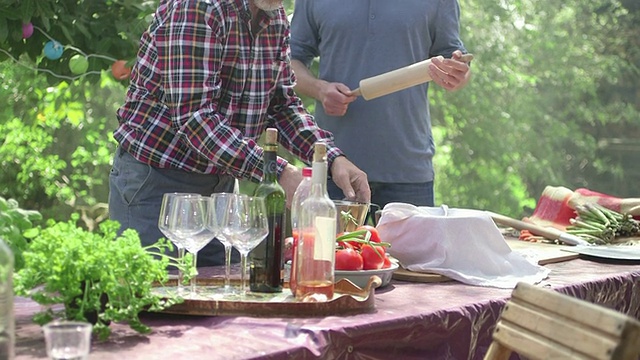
403, 274
544, 253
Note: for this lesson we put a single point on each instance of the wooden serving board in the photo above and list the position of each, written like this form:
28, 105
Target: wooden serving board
544, 253
403, 274
212, 301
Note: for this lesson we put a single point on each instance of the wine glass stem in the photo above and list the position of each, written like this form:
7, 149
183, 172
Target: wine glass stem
243, 271
193, 279
227, 266
180, 273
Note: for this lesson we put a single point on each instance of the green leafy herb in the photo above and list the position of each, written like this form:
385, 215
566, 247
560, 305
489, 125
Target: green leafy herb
347, 218
96, 274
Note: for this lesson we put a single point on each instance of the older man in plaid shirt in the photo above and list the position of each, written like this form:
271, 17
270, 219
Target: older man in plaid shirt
209, 78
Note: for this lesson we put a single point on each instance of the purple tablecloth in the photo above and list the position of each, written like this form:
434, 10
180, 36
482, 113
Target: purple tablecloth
411, 321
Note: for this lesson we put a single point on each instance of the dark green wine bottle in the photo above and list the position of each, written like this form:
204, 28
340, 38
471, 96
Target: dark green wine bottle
266, 269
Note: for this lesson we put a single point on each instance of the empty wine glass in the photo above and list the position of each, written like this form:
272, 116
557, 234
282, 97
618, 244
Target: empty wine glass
245, 225
189, 221
219, 204
168, 201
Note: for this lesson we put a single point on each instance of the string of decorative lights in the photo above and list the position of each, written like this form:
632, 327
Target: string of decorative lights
78, 63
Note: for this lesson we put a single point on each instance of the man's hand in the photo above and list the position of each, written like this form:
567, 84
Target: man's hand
335, 98
452, 74
351, 180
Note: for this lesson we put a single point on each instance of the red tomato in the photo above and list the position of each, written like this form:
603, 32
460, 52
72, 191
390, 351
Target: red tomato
348, 259
375, 236
387, 263
346, 243
372, 260
352, 244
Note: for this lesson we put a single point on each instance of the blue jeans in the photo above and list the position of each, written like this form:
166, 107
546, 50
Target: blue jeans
419, 194
135, 196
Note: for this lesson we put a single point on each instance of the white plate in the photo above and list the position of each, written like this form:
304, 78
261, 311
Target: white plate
361, 277
620, 252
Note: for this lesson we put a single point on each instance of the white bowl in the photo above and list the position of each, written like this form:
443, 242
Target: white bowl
361, 277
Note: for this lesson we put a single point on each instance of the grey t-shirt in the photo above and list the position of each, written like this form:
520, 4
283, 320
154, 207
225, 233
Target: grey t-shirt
388, 137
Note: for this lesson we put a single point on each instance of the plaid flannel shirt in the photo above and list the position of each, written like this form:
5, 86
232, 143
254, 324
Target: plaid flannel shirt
203, 89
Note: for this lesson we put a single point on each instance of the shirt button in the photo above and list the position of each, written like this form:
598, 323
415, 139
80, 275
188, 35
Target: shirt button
372, 17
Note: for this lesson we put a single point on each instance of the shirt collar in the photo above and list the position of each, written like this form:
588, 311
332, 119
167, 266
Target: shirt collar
243, 6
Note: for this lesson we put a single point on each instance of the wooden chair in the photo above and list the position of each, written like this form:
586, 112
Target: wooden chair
544, 324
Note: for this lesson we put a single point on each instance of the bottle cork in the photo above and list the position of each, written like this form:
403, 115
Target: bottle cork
320, 152
272, 136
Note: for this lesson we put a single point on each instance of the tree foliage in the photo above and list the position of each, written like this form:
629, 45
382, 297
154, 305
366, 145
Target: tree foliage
554, 100
55, 143
102, 30
550, 88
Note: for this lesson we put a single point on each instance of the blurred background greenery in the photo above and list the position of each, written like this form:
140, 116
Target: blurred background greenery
554, 100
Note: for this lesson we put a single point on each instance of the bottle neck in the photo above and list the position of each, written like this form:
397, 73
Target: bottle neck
319, 174
270, 170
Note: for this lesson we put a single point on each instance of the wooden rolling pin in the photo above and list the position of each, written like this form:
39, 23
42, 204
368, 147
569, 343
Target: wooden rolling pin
547, 232
399, 79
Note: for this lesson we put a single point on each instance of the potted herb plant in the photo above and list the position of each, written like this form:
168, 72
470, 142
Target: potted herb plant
96, 276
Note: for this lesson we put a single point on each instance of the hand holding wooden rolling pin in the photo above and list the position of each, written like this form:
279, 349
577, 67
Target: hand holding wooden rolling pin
451, 74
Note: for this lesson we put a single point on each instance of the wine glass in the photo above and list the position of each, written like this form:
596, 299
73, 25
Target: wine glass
190, 222
168, 200
219, 203
245, 225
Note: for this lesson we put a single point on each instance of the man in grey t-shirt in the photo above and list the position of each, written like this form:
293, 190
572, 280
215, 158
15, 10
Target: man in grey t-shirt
388, 137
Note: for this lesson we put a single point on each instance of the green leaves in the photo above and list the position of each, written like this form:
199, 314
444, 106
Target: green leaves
552, 100
110, 29
97, 273
545, 104
55, 143
16, 226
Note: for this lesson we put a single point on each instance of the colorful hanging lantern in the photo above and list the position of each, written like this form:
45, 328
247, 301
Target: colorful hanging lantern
53, 50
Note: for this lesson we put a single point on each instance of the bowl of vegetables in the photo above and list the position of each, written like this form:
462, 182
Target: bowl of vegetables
361, 254
361, 277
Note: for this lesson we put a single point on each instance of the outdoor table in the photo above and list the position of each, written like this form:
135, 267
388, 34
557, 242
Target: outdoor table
446, 320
